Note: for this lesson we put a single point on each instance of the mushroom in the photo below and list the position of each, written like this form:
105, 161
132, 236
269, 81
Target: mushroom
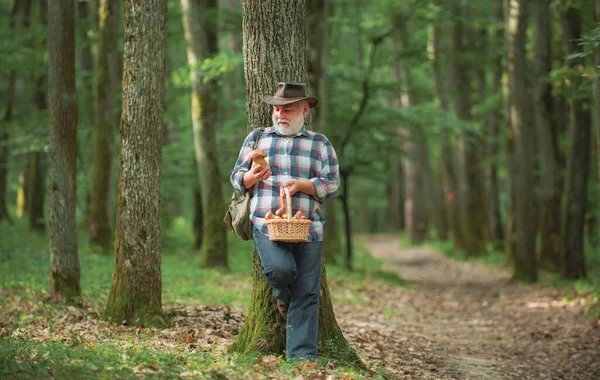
258, 158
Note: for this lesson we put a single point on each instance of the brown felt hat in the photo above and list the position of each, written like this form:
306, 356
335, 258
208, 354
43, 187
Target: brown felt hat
288, 93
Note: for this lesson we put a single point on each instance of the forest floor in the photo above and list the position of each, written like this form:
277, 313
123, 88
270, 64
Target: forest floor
411, 314
462, 320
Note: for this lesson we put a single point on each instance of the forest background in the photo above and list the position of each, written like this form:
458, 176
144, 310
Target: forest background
471, 124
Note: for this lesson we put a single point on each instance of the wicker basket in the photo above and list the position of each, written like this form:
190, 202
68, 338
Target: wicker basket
288, 230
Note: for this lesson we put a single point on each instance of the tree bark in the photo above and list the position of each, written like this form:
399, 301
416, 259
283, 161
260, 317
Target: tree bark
317, 28
448, 177
64, 269
597, 96
551, 184
200, 22
136, 291
4, 135
578, 162
36, 192
494, 134
525, 268
86, 62
471, 192
37, 174
413, 162
275, 52
106, 118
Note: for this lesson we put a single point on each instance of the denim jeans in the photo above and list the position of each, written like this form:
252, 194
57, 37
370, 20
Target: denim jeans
293, 271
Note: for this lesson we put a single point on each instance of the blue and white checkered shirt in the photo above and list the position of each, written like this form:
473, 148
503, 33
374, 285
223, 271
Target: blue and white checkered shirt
308, 155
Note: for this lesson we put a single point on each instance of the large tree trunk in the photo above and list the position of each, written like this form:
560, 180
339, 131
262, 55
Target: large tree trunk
199, 18
271, 56
551, 184
136, 290
471, 193
64, 269
317, 28
99, 223
578, 162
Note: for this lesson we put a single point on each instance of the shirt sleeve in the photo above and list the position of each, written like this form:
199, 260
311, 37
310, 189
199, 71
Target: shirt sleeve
327, 184
242, 165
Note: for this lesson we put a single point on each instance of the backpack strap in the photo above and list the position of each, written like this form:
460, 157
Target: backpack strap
259, 134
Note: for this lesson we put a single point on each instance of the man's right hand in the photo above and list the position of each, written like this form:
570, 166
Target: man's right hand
255, 174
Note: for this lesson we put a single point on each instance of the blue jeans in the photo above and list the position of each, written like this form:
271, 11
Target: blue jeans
293, 271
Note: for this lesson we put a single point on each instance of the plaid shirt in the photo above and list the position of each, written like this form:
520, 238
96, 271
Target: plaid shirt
308, 155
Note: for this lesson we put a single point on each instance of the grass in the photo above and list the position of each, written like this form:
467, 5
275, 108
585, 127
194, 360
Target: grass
39, 339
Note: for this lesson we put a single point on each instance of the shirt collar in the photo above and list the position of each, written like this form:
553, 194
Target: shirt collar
272, 129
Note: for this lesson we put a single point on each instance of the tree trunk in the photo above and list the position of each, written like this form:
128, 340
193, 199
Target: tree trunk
64, 269
37, 172
395, 194
494, 134
551, 184
23, 182
525, 268
86, 63
415, 208
448, 177
200, 22
471, 192
345, 179
99, 224
198, 225
36, 190
579, 160
317, 28
275, 52
597, 95
136, 291
4, 135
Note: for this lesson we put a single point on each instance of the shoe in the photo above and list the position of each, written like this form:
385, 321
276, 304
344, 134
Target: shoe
283, 309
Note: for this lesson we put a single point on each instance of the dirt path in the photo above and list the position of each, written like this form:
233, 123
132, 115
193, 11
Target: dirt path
467, 321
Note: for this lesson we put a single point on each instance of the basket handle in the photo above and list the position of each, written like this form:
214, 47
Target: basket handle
288, 199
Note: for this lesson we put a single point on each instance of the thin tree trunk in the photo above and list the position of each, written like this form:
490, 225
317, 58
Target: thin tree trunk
394, 192
36, 192
64, 269
448, 178
597, 95
494, 137
271, 56
470, 194
525, 268
199, 18
198, 225
36, 187
415, 208
317, 28
4, 135
99, 223
551, 183
578, 162
136, 291
86, 63
23, 183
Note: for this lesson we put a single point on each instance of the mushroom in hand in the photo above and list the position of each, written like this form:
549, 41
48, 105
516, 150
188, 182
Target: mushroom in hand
258, 158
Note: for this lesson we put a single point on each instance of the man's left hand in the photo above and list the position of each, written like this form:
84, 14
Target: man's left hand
298, 185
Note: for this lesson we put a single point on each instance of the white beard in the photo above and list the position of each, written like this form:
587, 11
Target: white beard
292, 129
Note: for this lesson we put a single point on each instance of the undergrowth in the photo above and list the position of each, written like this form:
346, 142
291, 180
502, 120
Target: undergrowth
74, 343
